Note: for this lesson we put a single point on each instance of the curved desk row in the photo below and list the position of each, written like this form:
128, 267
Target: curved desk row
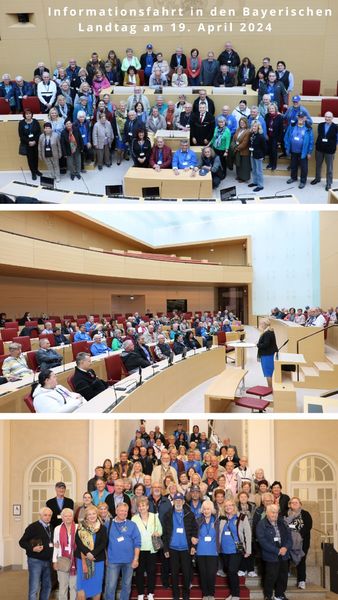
159, 391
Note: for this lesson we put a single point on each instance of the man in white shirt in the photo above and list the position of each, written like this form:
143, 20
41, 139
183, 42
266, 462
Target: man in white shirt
46, 92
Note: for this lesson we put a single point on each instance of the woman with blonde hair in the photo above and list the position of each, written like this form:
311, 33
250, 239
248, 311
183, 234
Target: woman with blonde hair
136, 474
207, 549
63, 555
91, 542
267, 347
149, 525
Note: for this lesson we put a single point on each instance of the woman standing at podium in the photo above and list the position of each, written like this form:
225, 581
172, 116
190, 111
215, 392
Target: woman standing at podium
267, 347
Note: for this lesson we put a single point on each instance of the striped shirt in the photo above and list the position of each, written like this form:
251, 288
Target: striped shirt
15, 366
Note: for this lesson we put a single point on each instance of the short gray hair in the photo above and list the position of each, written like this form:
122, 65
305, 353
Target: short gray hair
80, 357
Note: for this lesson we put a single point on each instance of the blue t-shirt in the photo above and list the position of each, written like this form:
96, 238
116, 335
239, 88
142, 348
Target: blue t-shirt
123, 539
196, 510
98, 348
193, 464
297, 139
228, 541
178, 539
207, 539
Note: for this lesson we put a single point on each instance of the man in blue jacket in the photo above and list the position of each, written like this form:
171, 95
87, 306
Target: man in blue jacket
124, 544
184, 158
274, 538
299, 142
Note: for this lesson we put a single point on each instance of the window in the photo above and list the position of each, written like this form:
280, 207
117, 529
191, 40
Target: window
42, 477
313, 479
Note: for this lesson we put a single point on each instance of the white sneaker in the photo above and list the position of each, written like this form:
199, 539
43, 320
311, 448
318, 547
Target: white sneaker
252, 574
241, 573
221, 573
140, 597
228, 598
301, 585
150, 596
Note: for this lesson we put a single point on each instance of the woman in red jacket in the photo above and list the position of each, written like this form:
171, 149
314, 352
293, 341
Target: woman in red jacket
194, 65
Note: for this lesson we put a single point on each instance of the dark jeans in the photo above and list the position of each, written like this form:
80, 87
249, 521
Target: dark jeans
39, 579
247, 564
180, 561
33, 159
207, 568
301, 570
231, 564
165, 569
276, 578
147, 564
297, 161
272, 151
223, 160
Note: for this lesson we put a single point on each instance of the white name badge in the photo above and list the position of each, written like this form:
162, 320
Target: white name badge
179, 530
59, 516
207, 538
120, 539
227, 533
159, 162
251, 149
276, 539
296, 139
185, 163
51, 545
67, 548
324, 140
30, 135
292, 526
83, 135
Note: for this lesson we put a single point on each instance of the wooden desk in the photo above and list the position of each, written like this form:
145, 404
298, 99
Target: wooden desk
10, 160
327, 405
12, 394
220, 96
311, 348
170, 185
65, 351
333, 196
158, 393
222, 391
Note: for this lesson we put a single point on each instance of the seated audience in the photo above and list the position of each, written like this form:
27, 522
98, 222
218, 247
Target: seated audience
132, 358
85, 380
50, 397
46, 357
15, 365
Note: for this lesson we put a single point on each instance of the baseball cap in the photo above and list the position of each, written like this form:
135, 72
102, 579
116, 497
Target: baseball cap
301, 114
195, 488
178, 496
296, 98
149, 46
60, 484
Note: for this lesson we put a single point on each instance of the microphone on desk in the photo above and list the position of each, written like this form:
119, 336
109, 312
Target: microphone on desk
184, 353
171, 359
23, 175
63, 357
285, 190
139, 382
282, 346
86, 186
115, 393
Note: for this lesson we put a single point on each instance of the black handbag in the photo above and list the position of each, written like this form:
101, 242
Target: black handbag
23, 151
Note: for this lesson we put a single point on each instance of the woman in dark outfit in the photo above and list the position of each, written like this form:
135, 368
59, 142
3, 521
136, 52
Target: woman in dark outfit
300, 523
29, 133
267, 347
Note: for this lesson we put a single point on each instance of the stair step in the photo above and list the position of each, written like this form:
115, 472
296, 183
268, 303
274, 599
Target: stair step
323, 366
309, 371
312, 592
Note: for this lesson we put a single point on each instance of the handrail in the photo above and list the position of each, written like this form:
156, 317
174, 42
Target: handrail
328, 394
305, 337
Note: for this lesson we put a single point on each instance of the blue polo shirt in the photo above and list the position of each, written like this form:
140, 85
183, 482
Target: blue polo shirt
184, 160
228, 541
297, 139
82, 337
207, 539
124, 537
98, 348
178, 539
